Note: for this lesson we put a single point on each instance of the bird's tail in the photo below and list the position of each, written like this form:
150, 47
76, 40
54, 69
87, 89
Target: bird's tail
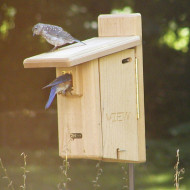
51, 97
79, 41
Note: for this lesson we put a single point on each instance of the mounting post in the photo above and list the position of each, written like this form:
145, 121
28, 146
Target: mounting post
131, 176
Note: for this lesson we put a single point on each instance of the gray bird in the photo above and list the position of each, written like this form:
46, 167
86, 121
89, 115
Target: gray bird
55, 35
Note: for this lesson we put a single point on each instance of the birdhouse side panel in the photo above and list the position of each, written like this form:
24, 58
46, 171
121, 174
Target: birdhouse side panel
118, 106
141, 120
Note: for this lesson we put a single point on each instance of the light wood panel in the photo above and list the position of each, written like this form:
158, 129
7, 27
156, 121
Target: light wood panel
81, 114
78, 53
118, 25
141, 120
129, 25
118, 105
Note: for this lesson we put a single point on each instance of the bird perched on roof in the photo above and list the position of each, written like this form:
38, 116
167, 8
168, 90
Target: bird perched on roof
61, 85
55, 35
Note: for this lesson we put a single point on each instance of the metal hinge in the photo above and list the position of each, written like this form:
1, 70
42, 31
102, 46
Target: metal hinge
137, 87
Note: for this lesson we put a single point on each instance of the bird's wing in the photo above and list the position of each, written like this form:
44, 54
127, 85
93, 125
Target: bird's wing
66, 36
56, 31
51, 97
52, 30
61, 79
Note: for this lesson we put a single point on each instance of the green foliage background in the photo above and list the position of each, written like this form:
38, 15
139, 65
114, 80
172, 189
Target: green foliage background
166, 68
24, 124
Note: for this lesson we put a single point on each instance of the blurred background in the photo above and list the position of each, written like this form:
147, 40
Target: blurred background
25, 126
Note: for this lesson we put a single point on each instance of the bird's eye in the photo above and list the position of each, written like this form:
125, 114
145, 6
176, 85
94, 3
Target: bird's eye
35, 27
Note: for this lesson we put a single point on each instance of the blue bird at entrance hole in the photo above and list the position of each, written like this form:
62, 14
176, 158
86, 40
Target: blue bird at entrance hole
61, 85
55, 35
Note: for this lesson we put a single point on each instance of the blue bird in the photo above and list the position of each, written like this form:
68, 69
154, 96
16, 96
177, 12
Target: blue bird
61, 85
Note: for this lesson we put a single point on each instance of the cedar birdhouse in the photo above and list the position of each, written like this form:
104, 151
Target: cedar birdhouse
103, 118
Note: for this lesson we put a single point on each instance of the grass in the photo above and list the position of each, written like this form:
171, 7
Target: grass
156, 174
178, 172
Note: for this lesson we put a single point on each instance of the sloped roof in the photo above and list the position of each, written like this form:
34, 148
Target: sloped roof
78, 53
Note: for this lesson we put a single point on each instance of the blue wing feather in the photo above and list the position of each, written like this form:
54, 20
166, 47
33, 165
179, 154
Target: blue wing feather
51, 97
63, 78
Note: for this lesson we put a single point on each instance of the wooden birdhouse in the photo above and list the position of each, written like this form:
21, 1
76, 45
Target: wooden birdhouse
103, 118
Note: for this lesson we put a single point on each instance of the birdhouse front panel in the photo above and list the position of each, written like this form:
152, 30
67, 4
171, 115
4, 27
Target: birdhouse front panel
118, 106
79, 114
